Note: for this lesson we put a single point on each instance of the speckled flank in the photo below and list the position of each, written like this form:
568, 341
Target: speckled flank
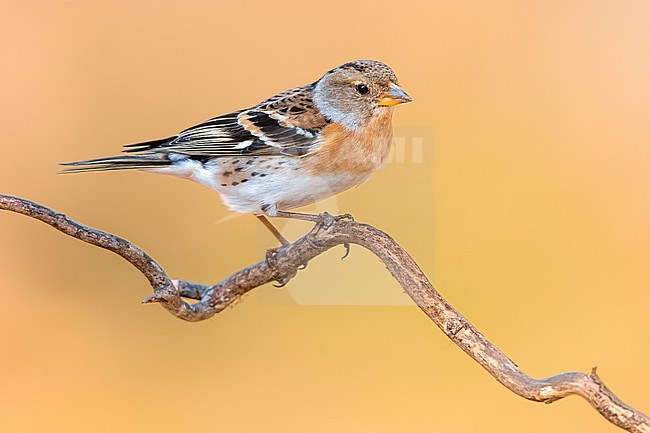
274, 182
236, 171
249, 184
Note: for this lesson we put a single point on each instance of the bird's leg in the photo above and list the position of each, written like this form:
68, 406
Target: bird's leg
299, 216
319, 219
271, 252
324, 219
264, 220
273, 211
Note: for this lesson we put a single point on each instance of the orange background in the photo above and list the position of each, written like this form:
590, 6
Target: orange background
530, 212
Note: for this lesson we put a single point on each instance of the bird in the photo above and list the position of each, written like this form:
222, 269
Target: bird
292, 149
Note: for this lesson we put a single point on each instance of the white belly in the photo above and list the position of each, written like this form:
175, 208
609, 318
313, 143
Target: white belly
274, 183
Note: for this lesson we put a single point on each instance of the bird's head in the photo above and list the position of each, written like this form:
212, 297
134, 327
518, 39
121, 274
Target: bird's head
355, 92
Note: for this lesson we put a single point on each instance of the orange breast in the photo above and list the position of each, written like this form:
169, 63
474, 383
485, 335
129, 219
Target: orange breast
353, 152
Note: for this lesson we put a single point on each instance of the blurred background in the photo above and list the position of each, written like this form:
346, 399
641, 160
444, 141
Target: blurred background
522, 187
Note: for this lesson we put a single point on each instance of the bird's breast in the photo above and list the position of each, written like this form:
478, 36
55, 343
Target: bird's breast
354, 153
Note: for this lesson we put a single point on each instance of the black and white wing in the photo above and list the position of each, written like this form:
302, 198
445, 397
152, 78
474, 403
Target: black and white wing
286, 124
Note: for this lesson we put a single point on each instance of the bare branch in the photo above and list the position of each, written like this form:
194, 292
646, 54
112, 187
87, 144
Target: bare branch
333, 231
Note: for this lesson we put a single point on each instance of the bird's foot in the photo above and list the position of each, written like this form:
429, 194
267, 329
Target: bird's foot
326, 220
271, 261
271, 254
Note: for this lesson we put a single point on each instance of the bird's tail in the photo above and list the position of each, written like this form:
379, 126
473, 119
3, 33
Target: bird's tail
147, 160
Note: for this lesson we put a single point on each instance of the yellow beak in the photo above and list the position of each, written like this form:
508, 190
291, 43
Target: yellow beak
393, 96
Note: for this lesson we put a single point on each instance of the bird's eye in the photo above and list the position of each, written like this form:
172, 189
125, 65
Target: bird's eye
362, 88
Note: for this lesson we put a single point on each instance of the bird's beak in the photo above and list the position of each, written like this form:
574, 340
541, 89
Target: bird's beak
393, 96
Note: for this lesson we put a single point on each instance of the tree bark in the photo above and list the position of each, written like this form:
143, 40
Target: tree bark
330, 232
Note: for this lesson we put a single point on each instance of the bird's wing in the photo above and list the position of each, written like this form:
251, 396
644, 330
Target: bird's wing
286, 124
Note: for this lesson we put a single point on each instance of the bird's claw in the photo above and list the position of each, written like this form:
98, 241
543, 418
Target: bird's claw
271, 253
327, 220
312, 243
270, 258
347, 251
344, 217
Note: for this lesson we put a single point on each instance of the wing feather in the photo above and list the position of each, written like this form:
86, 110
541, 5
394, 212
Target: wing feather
286, 124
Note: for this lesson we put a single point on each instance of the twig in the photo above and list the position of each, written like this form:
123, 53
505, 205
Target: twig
333, 231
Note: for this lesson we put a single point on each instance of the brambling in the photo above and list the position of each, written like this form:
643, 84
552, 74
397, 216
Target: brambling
293, 149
